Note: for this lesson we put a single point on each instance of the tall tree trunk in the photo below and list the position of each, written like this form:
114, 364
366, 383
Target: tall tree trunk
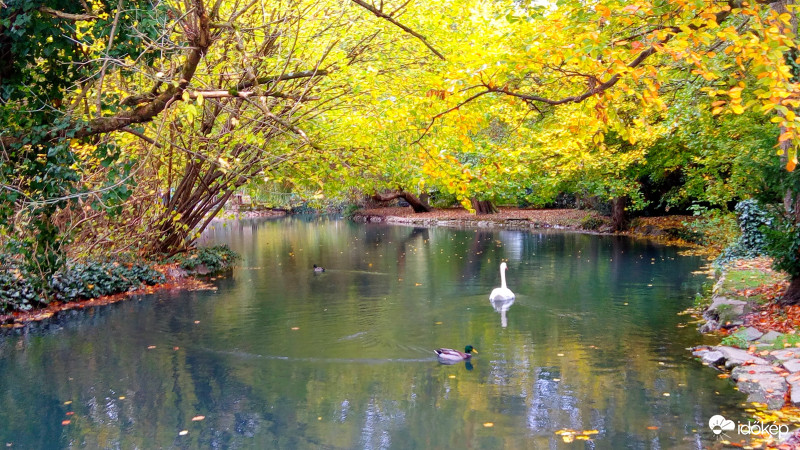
619, 219
792, 294
417, 205
482, 207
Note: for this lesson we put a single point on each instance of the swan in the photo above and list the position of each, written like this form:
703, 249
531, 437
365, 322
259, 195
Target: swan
503, 293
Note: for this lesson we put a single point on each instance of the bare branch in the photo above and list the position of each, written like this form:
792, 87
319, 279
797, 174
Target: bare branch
65, 15
408, 30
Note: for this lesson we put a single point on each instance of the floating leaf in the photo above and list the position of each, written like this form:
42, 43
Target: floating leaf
198, 418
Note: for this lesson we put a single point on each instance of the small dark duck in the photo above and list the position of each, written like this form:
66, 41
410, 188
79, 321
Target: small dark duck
318, 269
450, 355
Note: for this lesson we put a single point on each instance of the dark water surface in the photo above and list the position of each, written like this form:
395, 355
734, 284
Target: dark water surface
281, 357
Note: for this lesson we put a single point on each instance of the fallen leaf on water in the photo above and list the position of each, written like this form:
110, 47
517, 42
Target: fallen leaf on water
150, 347
70, 413
183, 433
295, 328
176, 348
568, 438
68, 402
559, 354
198, 418
488, 424
652, 428
723, 375
122, 397
196, 322
65, 422
437, 323
590, 432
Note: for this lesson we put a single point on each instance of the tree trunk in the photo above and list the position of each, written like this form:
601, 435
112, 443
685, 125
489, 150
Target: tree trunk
416, 204
619, 219
482, 207
792, 294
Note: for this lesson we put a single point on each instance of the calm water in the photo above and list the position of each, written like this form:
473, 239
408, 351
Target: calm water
281, 357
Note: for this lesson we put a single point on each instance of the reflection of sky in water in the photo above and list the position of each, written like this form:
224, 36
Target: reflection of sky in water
282, 357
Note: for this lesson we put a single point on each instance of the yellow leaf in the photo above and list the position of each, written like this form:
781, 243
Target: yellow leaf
199, 99
185, 96
738, 109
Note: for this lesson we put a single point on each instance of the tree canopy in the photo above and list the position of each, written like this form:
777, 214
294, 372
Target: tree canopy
127, 125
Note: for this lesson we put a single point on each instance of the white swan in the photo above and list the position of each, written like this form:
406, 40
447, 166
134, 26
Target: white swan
503, 293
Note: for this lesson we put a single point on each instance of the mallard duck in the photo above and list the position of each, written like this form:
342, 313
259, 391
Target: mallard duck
450, 355
502, 293
318, 268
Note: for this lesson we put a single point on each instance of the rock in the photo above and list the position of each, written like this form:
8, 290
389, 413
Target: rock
745, 371
736, 357
794, 388
712, 357
749, 333
725, 310
710, 326
786, 354
176, 273
201, 269
792, 365
762, 384
770, 337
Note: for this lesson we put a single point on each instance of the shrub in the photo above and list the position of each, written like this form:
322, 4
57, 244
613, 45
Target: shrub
215, 259
783, 245
349, 211
592, 223
78, 281
715, 228
753, 221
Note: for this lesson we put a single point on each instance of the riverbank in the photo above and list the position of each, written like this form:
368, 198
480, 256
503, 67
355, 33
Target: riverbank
669, 230
759, 348
93, 284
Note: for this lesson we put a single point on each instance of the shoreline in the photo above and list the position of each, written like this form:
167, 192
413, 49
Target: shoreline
663, 229
506, 218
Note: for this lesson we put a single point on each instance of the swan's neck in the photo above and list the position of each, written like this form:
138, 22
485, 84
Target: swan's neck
503, 279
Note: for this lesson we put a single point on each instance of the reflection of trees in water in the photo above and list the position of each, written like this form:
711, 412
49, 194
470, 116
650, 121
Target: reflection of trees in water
573, 287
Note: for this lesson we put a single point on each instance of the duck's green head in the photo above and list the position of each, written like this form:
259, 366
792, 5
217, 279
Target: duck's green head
469, 349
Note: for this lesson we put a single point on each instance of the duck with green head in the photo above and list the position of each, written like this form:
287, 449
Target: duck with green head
450, 355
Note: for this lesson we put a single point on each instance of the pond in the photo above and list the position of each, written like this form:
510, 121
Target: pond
279, 356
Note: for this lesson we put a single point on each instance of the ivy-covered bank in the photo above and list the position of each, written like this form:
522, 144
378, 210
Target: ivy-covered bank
25, 296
